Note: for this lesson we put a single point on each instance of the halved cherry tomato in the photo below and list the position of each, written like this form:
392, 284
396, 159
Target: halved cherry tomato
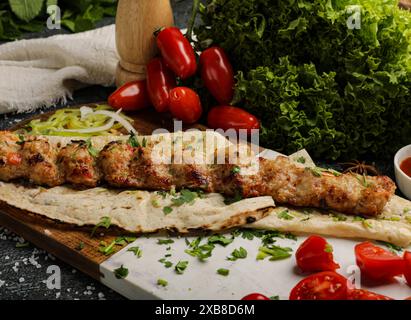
377, 264
314, 255
255, 296
360, 294
160, 80
130, 97
407, 269
185, 104
228, 117
14, 159
177, 52
327, 285
217, 74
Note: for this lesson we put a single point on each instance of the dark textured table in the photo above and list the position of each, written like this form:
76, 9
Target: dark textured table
23, 269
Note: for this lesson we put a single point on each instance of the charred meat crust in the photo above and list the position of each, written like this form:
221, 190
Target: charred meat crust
122, 165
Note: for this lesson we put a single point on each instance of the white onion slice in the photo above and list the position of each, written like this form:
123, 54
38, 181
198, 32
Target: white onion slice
115, 117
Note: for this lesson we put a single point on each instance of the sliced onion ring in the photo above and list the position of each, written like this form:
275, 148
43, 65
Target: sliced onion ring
115, 117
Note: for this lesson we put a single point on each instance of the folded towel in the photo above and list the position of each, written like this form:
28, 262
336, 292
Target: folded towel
42, 72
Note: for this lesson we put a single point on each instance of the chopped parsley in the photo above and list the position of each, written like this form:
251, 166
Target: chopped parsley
105, 222
93, 151
316, 172
154, 203
274, 252
358, 218
240, 253
223, 272
136, 250
21, 140
123, 240
165, 241
181, 266
162, 282
80, 246
133, 141
167, 264
121, 273
285, 215
167, 210
236, 170
338, 217
186, 196
275, 298
363, 180
202, 252
301, 160
328, 248
144, 142
366, 224
220, 239
107, 249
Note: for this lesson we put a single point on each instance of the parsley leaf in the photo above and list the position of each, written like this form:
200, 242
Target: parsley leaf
181, 267
162, 282
220, 239
121, 273
240, 253
136, 250
105, 222
165, 241
285, 215
274, 252
223, 272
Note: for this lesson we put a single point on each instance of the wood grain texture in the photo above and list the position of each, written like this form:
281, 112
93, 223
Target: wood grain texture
62, 240
136, 21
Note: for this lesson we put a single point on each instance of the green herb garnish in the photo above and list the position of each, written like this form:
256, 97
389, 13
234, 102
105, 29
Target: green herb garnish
93, 151
162, 282
165, 241
181, 266
274, 252
105, 222
121, 273
301, 159
167, 210
107, 249
284, 215
80, 246
392, 247
220, 239
167, 264
240, 253
136, 250
328, 248
236, 170
223, 272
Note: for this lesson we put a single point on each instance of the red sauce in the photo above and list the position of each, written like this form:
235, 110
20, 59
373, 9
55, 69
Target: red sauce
406, 166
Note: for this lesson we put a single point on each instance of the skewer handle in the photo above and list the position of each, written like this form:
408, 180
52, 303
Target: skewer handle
136, 22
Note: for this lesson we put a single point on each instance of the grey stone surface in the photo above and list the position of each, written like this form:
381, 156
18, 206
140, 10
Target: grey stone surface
23, 271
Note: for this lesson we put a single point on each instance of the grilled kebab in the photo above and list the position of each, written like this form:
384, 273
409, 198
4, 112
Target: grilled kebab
120, 164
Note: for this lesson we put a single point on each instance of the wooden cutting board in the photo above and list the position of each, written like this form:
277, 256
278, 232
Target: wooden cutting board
63, 240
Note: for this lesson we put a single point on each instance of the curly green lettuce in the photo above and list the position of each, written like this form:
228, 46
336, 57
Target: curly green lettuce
315, 82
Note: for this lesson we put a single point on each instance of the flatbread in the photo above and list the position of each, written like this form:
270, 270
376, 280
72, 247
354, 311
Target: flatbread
134, 211
392, 225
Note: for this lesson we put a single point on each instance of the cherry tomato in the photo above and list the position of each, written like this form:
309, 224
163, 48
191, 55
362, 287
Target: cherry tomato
314, 255
407, 269
185, 105
255, 296
217, 74
177, 52
228, 117
160, 80
130, 97
360, 294
14, 159
377, 264
327, 285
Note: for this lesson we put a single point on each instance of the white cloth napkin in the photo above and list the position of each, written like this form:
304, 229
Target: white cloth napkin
42, 72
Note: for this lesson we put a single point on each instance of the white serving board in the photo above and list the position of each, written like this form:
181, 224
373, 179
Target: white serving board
201, 281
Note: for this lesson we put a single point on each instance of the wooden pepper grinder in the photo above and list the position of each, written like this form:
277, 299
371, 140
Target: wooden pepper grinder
136, 21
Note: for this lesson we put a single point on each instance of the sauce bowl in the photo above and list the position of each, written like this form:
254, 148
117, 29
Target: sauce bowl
403, 181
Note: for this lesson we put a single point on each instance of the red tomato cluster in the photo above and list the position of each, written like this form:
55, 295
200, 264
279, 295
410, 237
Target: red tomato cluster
315, 255
178, 59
